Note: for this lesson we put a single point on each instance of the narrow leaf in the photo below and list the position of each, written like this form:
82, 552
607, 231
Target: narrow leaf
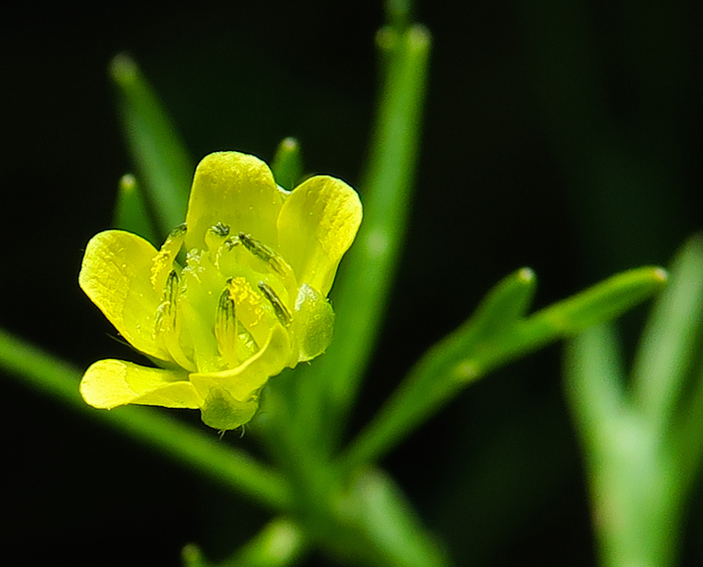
162, 160
634, 487
388, 523
672, 337
477, 348
595, 383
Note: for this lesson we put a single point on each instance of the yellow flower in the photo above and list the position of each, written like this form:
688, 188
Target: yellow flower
250, 299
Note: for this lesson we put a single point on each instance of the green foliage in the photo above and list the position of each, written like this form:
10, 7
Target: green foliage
642, 438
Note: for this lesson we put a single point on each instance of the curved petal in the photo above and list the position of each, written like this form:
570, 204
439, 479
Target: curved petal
115, 275
111, 383
317, 225
244, 381
237, 190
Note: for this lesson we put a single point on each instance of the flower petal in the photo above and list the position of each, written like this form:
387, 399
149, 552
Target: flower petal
316, 226
237, 190
111, 383
244, 381
232, 396
115, 275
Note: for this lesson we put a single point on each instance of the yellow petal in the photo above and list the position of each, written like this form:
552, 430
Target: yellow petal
115, 275
244, 381
317, 225
237, 190
111, 383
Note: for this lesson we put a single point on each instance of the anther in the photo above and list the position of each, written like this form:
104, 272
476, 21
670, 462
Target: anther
279, 308
231, 243
220, 229
179, 230
166, 314
263, 252
226, 328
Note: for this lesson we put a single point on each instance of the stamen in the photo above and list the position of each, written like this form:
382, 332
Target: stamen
231, 243
226, 328
163, 262
177, 231
220, 229
263, 252
214, 236
166, 312
167, 327
279, 308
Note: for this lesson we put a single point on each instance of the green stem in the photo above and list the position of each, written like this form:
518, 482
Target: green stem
329, 387
205, 455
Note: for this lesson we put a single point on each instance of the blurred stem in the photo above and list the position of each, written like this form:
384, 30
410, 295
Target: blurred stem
203, 454
279, 544
643, 441
358, 516
329, 387
399, 13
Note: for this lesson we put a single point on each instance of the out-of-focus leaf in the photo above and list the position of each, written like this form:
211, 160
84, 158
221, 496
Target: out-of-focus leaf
165, 168
672, 337
485, 342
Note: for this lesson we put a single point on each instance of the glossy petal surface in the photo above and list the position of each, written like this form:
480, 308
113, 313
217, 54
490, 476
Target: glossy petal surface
237, 190
317, 225
111, 383
115, 275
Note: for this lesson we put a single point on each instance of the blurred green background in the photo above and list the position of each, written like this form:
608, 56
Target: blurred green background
561, 135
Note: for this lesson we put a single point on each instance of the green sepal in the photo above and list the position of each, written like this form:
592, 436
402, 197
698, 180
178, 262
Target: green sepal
313, 323
223, 412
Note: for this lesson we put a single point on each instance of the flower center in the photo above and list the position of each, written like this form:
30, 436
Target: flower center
219, 309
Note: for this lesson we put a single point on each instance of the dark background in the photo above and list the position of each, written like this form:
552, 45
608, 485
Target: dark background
561, 135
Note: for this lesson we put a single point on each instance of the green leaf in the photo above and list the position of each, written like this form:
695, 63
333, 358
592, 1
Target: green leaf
287, 164
131, 212
163, 162
486, 342
634, 481
672, 339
